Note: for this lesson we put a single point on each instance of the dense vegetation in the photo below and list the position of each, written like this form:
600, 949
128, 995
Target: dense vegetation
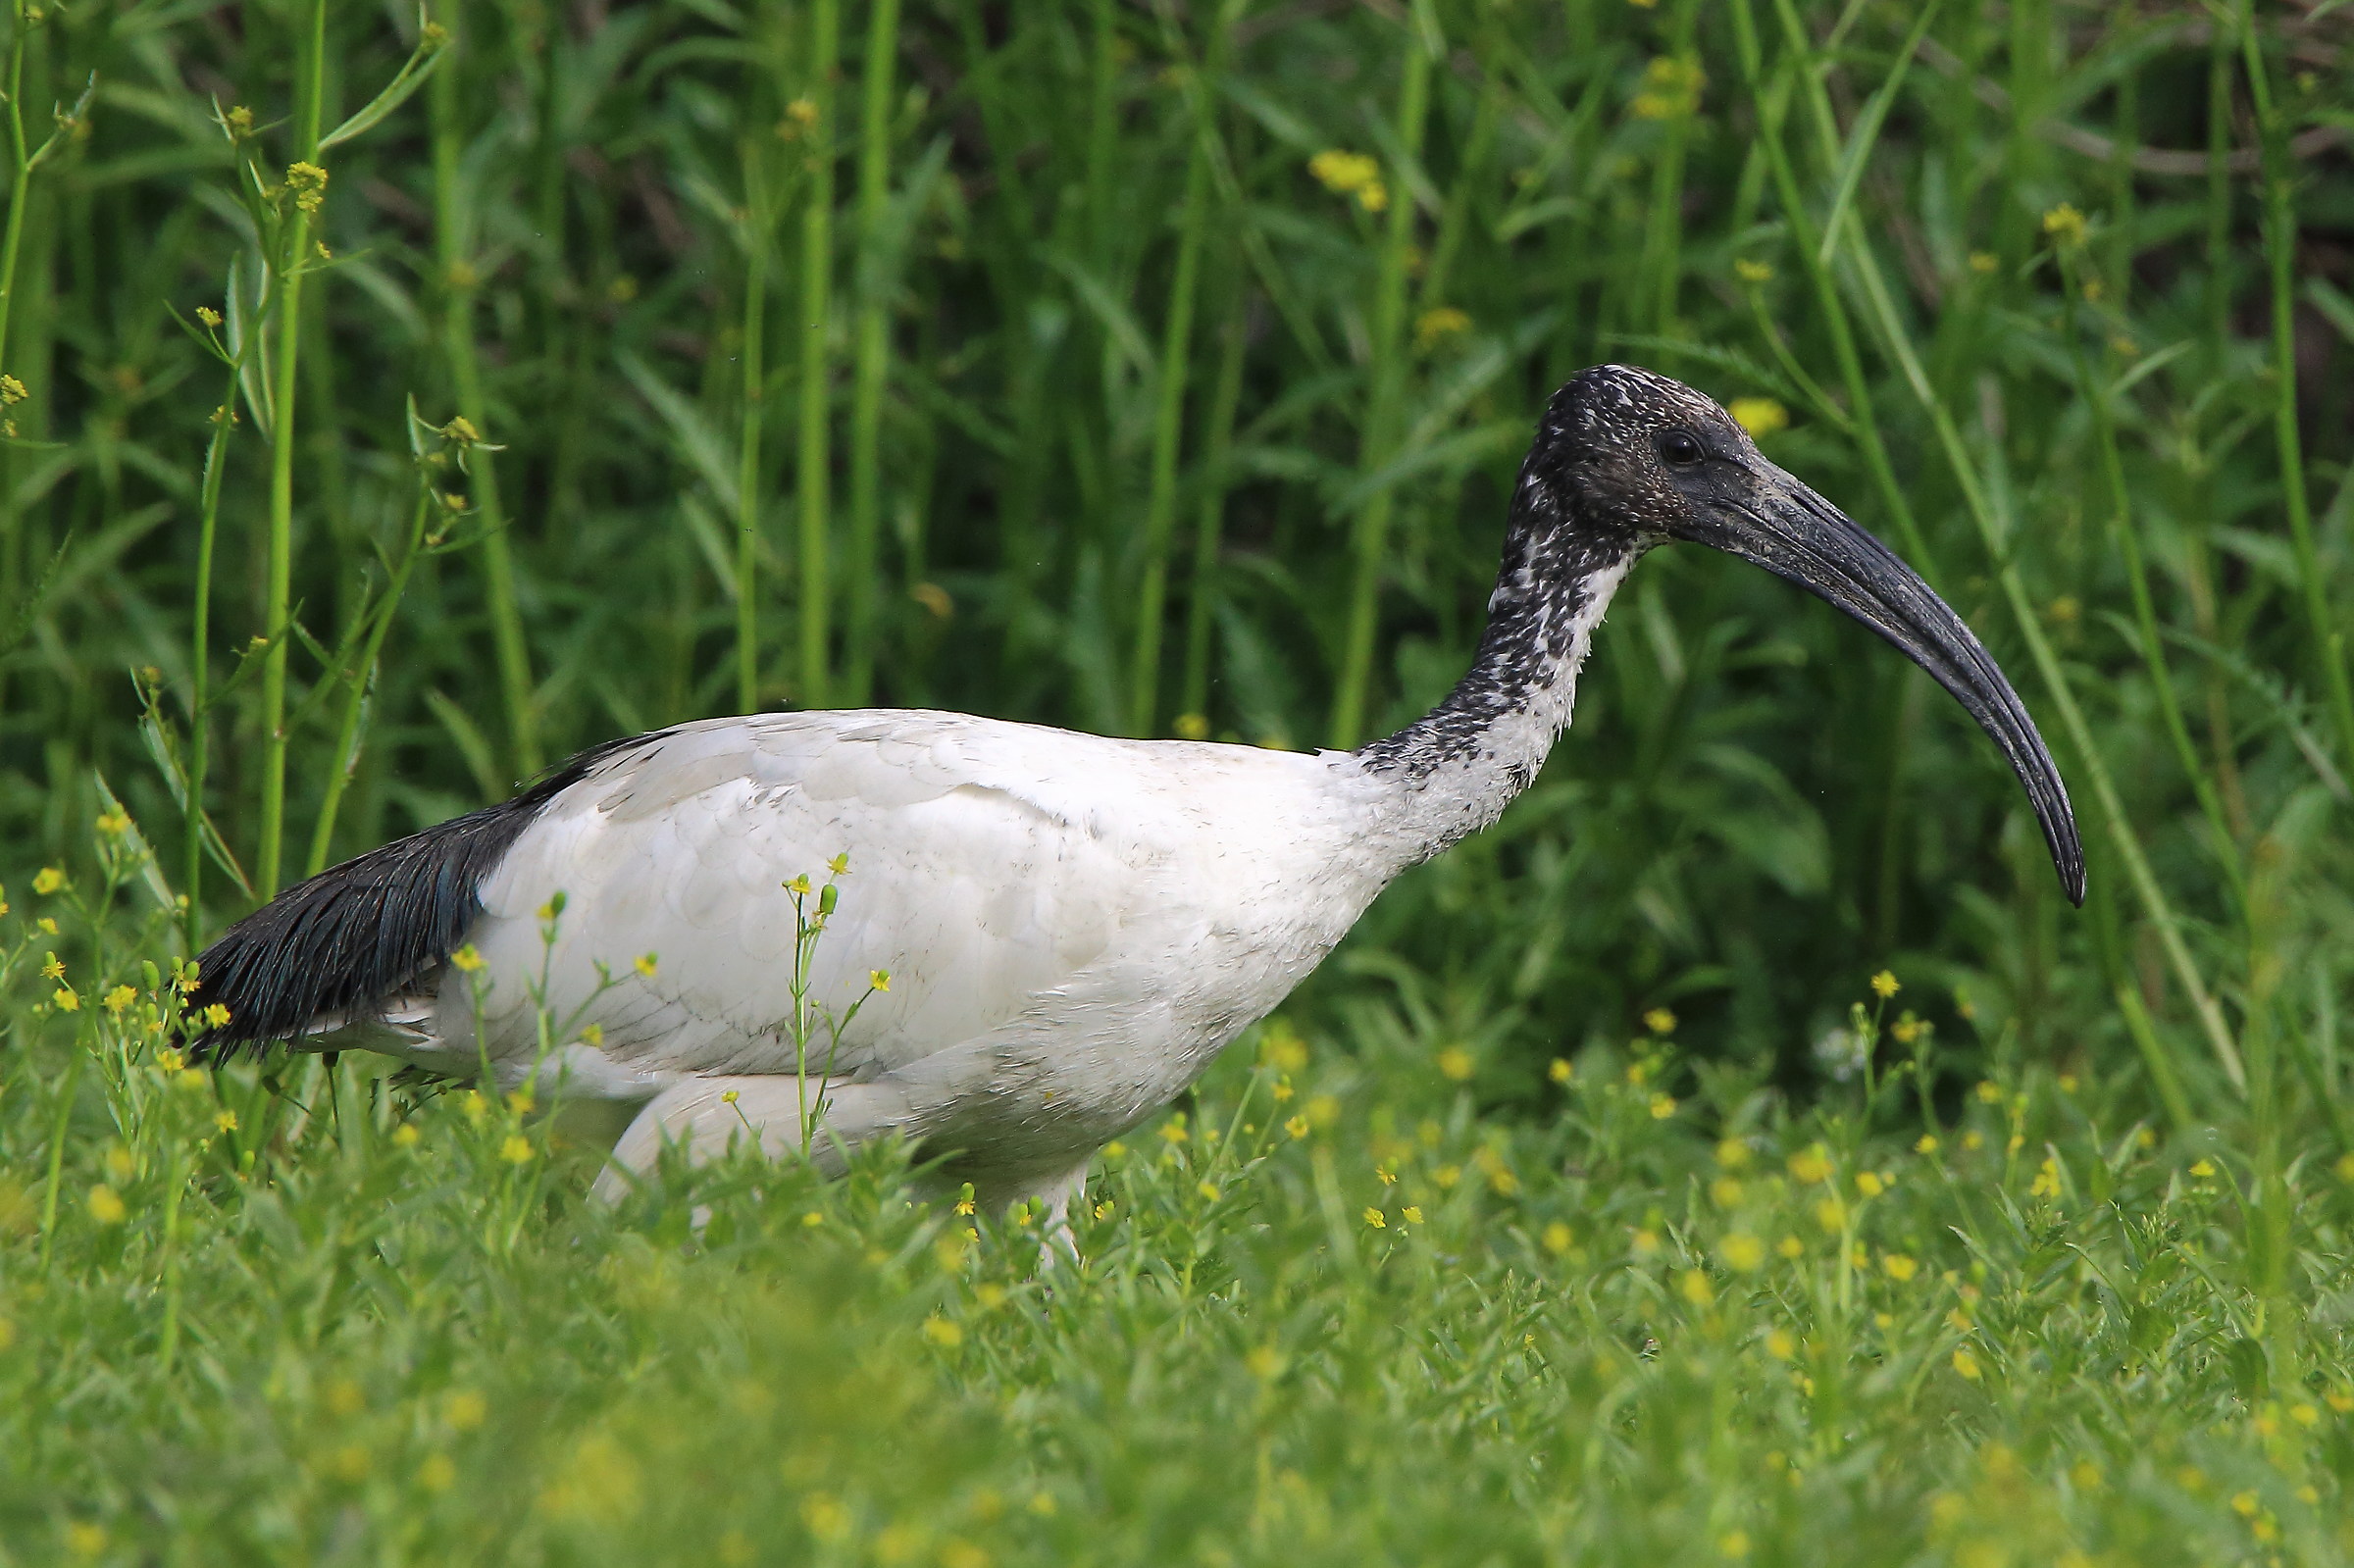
395, 403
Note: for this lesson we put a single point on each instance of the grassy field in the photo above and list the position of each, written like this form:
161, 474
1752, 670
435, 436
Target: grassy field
1740, 1155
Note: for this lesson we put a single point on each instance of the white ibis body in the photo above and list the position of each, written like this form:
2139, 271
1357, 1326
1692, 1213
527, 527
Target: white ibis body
1073, 926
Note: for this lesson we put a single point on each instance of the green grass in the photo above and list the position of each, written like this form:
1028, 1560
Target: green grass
1016, 359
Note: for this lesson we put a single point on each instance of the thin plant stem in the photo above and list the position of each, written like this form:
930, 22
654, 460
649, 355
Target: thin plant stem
2145, 615
1210, 521
1387, 370
21, 165
871, 373
2281, 246
293, 255
363, 675
817, 282
758, 226
1663, 220
453, 247
1176, 362
67, 1092
200, 653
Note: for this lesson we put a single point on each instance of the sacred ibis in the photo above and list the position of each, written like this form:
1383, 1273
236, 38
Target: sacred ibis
1073, 926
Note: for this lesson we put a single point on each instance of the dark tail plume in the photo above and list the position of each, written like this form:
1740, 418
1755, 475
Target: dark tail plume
359, 932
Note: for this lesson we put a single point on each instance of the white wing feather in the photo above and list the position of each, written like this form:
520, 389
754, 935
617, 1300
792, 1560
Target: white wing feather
1065, 919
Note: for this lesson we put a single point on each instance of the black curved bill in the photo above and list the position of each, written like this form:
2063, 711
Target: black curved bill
1797, 534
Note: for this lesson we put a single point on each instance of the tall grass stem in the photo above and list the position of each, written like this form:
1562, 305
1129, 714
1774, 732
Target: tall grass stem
453, 237
1386, 374
285, 322
2281, 250
817, 284
871, 371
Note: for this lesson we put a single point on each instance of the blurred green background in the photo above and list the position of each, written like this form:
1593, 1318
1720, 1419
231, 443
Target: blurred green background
1157, 369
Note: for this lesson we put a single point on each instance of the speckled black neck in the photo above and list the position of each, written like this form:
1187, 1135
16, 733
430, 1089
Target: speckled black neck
1560, 567
1579, 520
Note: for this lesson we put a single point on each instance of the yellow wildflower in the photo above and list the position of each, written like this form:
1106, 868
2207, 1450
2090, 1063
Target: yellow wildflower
1742, 1253
829, 1520
2065, 225
308, 182
1344, 172
1373, 1217
1966, 1364
466, 960
1672, 90
47, 881
1561, 1072
1558, 1238
1884, 985
1659, 1021
645, 965
1760, 416
1437, 326
1811, 1165
120, 997
943, 1332
1752, 271
1869, 1184
1662, 1106
106, 1205
1456, 1064
1898, 1267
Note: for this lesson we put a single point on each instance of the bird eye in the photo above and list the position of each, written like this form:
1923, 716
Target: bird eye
1680, 447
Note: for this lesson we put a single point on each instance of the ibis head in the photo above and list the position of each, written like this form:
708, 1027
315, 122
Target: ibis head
1627, 450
